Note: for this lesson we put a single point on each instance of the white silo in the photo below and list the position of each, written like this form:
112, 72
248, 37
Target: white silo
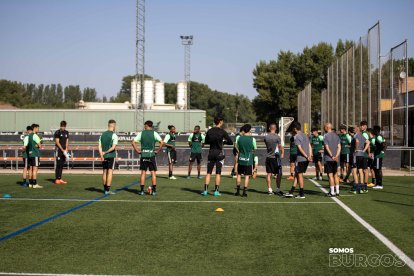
135, 93
182, 95
148, 97
159, 93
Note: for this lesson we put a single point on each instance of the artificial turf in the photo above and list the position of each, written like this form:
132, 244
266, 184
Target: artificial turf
178, 232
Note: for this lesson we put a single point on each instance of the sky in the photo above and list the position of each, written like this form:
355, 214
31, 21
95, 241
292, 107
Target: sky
92, 42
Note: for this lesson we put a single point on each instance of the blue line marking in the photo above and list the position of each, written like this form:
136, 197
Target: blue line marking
34, 225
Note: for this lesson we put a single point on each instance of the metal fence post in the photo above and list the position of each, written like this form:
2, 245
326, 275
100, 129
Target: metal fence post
361, 76
369, 79
406, 93
392, 99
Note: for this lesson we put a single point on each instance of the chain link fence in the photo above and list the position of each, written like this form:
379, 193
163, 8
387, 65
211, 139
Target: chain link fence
363, 85
304, 108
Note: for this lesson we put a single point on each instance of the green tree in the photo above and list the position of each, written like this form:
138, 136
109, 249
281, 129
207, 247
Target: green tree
89, 95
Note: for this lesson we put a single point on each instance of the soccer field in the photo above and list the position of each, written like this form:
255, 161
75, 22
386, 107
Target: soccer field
74, 229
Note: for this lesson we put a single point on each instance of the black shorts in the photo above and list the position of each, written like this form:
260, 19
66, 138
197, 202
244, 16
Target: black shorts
331, 167
34, 161
26, 163
215, 158
370, 163
301, 167
172, 157
317, 157
292, 158
245, 170
361, 162
273, 165
148, 163
377, 163
108, 163
235, 152
196, 157
345, 158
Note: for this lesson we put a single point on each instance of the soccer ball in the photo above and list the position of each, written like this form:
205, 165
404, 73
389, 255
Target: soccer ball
149, 190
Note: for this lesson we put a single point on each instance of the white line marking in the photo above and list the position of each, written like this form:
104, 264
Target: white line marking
53, 274
169, 201
370, 228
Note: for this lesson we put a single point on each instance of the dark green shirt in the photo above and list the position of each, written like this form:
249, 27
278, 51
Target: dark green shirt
345, 143
148, 139
246, 144
293, 147
197, 141
379, 147
31, 147
170, 139
107, 140
316, 143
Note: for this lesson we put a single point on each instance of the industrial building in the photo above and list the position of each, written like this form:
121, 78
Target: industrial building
93, 116
16, 120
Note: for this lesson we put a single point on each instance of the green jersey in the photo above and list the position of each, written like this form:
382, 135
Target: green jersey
316, 143
246, 144
148, 139
345, 143
107, 140
372, 145
293, 147
170, 139
25, 142
31, 145
197, 141
379, 147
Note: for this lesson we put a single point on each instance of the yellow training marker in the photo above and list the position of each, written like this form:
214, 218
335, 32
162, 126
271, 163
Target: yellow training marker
219, 210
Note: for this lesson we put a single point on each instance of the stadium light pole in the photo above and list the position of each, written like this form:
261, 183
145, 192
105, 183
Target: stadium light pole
187, 41
139, 63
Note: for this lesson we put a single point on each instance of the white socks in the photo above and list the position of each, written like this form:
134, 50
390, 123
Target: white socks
337, 189
333, 190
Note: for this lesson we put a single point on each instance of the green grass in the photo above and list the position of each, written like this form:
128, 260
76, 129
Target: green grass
140, 236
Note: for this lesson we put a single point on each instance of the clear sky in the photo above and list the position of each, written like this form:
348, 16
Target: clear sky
92, 42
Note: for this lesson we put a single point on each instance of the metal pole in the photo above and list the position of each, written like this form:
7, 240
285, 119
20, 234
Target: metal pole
392, 99
379, 76
310, 105
406, 93
353, 85
337, 94
361, 77
347, 90
139, 62
369, 78
340, 121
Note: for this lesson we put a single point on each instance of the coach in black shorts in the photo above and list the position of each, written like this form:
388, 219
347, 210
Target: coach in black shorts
303, 159
215, 137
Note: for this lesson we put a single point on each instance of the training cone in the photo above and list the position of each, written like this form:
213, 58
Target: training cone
219, 210
7, 196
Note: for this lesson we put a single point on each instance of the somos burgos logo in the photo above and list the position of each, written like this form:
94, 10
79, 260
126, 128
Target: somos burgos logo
346, 257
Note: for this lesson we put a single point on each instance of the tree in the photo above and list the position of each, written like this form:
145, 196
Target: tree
89, 95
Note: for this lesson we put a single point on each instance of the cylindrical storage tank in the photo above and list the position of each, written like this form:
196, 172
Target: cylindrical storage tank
159, 93
135, 93
182, 95
148, 97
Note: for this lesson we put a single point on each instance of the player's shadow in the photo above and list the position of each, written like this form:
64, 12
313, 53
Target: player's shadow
132, 191
94, 189
51, 180
313, 192
256, 191
191, 190
395, 203
394, 193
